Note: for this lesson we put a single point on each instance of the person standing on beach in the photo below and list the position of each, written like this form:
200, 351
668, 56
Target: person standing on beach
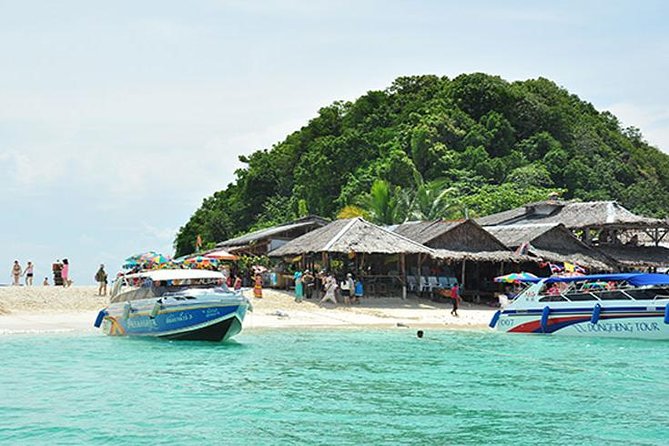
351, 287
455, 297
46, 282
101, 279
308, 280
29, 274
330, 287
299, 286
65, 273
359, 290
16, 273
257, 287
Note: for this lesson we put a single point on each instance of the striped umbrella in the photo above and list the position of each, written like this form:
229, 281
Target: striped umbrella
516, 278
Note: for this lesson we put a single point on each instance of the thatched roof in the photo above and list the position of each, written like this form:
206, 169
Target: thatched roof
482, 256
574, 215
638, 256
351, 235
302, 224
552, 243
459, 240
425, 231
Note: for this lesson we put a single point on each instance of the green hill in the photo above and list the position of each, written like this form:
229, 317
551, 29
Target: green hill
476, 144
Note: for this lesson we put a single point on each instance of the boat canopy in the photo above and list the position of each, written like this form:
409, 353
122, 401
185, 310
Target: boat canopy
177, 274
634, 279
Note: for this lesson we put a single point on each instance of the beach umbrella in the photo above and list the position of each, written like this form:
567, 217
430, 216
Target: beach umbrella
221, 255
200, 262
516, 277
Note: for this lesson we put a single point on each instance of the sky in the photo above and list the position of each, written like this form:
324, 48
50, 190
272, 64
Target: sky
118, 118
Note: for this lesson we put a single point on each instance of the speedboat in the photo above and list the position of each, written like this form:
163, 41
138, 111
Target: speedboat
186, 304
632, 305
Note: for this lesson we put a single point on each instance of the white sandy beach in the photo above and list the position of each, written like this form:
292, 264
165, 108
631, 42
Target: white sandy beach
45, 309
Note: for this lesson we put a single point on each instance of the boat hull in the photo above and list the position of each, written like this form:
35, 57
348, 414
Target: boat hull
194, 320
647, 322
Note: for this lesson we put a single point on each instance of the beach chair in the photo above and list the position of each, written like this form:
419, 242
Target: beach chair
432, 283
443, 282
424, 287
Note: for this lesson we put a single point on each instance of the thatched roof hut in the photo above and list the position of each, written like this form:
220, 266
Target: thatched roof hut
459, 240
552, 243
574, 215
638, 256
265, 240
351, 235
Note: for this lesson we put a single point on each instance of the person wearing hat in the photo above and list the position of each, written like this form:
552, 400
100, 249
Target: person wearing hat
308, 280
351, 286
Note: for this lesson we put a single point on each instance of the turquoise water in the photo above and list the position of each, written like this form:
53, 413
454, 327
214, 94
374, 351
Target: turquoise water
333, 387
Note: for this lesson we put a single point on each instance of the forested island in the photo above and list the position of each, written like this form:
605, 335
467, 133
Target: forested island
432, 147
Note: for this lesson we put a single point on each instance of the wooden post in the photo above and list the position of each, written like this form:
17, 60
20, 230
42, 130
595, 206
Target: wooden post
326, 262
419, 290
403, 275
462, 283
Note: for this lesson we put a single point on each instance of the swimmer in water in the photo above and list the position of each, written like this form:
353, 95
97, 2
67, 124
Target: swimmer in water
419, 333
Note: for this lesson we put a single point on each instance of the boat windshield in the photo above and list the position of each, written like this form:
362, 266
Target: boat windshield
134, 288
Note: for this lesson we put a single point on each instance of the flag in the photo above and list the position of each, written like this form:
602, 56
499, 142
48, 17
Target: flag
198, 242
555, 269
569, 267
580, 269
523, 249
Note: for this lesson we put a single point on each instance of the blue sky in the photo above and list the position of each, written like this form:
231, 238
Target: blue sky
118, 118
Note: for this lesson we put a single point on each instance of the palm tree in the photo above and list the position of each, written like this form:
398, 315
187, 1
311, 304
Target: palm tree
432, 201
384, 204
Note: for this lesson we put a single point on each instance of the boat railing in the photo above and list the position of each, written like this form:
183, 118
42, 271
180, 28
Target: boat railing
604, 295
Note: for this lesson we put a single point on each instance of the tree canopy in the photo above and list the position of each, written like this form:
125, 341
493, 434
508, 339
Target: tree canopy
429, 147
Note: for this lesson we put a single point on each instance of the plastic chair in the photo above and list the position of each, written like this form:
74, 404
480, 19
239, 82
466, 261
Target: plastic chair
432, 283
423, 284
412, 284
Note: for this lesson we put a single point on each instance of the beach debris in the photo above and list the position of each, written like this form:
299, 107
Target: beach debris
401, 324
279, 313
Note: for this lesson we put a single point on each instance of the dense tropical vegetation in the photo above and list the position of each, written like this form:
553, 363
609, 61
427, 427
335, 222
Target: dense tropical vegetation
432, 147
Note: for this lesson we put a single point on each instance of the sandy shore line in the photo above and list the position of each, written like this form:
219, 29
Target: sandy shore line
51, 309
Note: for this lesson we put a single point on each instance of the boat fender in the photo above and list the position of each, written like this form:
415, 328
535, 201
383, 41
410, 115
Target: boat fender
495, 319
155, 310
595, 314
98, 320
126, 310
544, 318
666, 314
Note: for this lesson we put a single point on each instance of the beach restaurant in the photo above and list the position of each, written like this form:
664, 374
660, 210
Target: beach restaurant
632, 241
355, 245
464, 252
552, 242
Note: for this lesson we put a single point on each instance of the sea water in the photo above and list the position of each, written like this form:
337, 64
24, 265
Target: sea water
333, 387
